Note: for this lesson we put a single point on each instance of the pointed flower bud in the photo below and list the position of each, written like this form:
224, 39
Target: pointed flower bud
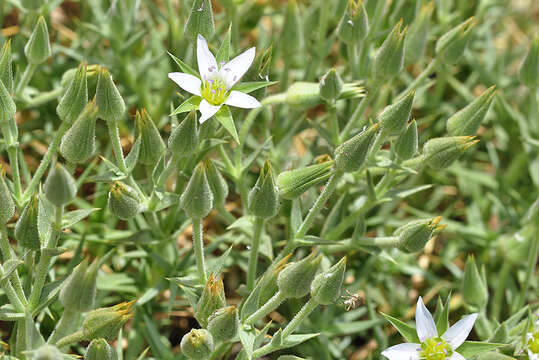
7, 205
264, 197
184, 138
416, 38
529, 70
268, 283
99, 349
218, 184
110, 103
7, 107
291, 34
78, 144
47, 352
6, 71
354, 25
406, 145
38, 47
331, 86
307, 94
452, 44
326, 286
293, 183
106, 322
212, 298
474, 290
75, 97
197, 198
197, 344
123, 200
60, 187
79, 290
389, 59
295, 279
152, 145
394, 117
224, 323
351, 155
414, 236
26, 230
467, 120
442, 152
200, 20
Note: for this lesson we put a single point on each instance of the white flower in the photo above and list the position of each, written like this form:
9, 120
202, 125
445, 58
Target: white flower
215, 85
432, 347
532, 356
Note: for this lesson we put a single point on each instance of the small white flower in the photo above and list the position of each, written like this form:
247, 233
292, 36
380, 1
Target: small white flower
432, 347
215, 85
532, 356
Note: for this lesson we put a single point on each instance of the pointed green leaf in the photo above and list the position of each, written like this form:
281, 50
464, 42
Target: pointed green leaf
408, 332
472, 348
224, 116
132, 158
247, 87
190, 104
183, 66
223, 54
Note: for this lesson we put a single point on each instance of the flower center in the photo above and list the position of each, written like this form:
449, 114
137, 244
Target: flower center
533, 342
214, 90
435, 349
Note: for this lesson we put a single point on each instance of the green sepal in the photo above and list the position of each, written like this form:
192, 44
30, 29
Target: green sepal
224, 116
408, 332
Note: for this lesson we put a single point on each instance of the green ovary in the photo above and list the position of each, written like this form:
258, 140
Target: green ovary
435, 349
533, 343
214, 91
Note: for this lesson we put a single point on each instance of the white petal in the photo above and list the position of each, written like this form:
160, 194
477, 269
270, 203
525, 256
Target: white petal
406, 351
242, 100
457, 333
426, 328
187, 82
457, 356
206, 60
233, 70
207, 110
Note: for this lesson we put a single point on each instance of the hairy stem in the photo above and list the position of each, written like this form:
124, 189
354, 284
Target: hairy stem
253, 256
268, 307
198, 246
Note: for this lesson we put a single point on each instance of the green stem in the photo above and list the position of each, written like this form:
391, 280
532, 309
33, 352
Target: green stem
198, 246
12, 295
5, 248
45, 259
44, 98
65, 325
431, 67
51, 151
25, 79
530, 269
114, 135
387, 241
225, 214
500, 290
356, 116
352, 57
71, 339
253, 256
268, 307
14, 163
333, 123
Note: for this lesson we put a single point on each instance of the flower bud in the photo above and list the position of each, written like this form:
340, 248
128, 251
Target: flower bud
416, 38
106, 322
197, 198
452, 44
442, 152
414, 236
268, 283
394, 117
307, 94
467, 120
331, 86
291, 34
7, 107
200, 20
99, 349
406, 145
151, 145
109, 102
79, 290
184, 138
26, 230
47, 352
218, 185
7, 205
474, 290
351, 155
224, 323
389, 59
197, 344
264, 197
6, 72
293, 183
38, 47
326, 286
260, 70
78, 144
529, 70
60, 187
123, 200
295, 279
75, 97
354, 25
212, 298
